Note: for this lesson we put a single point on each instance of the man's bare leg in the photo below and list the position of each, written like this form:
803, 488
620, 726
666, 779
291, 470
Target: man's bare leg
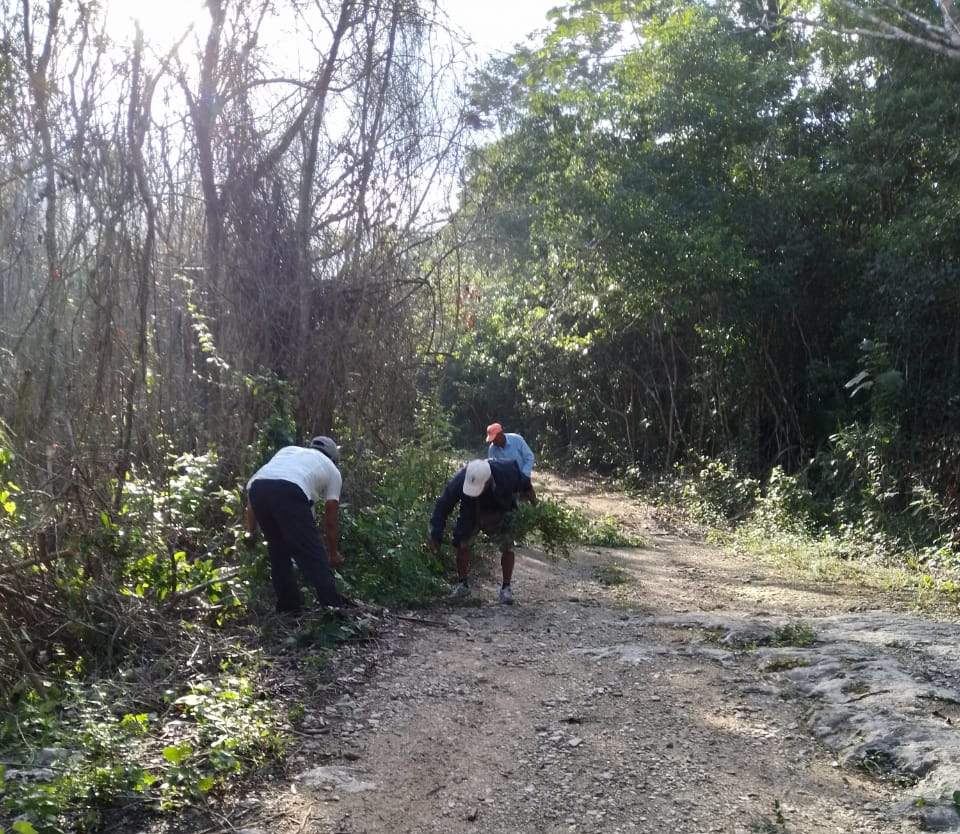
463, 563
507, 560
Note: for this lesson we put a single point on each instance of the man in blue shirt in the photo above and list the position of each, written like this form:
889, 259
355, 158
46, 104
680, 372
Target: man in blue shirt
486, 491
509, 446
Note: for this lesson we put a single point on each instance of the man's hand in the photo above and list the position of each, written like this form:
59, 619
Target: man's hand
249, 539
434, 545
336, 559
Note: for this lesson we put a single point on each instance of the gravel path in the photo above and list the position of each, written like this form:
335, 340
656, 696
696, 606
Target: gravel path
702, 692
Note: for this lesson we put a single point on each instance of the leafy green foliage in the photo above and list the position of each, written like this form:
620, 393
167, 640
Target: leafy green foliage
554, 527
10, 513
94, 754
166, 554
794, 634
714, 492
607, 532
689, 251
385, 541
786, 505
388, 561
277, 428
881, 765
638, 190
785, 663
167, 540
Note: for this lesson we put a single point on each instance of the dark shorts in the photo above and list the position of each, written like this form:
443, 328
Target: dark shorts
498, 527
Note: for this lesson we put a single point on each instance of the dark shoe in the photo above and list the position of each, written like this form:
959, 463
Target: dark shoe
289, 610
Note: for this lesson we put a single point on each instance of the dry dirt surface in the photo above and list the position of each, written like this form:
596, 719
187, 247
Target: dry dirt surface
670, 688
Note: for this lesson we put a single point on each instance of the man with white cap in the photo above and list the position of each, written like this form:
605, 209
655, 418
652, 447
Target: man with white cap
509, 446
486, 491
280, 498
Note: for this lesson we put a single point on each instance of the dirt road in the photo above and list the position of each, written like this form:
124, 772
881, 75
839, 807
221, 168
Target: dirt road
671, 688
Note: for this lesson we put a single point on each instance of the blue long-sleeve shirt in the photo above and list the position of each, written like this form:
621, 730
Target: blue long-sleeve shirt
508, 480
515, 449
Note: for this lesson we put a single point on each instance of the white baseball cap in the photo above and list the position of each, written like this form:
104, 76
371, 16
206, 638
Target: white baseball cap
478, 473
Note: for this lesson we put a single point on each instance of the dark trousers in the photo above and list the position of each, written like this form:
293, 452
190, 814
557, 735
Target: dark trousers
286, 518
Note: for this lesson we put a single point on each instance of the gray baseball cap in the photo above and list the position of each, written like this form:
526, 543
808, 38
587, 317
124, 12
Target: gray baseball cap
327, 446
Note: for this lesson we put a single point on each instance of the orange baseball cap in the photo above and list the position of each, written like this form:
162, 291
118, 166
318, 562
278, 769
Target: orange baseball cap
492, 431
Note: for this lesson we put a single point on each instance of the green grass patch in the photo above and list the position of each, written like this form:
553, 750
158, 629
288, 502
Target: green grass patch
799, 635
783, 663
796, 635
608, 532
610, 575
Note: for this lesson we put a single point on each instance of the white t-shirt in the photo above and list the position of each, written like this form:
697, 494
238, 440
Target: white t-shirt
309, 469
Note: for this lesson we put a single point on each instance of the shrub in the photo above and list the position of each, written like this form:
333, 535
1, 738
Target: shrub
786, 505
555, 527
713, 492
607, 532
384, 542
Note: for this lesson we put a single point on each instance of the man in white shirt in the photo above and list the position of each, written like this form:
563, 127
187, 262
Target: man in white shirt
280, 498
509, 446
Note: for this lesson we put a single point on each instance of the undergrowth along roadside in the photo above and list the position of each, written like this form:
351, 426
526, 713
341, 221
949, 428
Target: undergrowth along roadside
141, 667
140, 661
907, 542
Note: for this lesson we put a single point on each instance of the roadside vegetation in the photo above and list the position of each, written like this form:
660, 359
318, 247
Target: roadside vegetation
783, 520
141, 657
143, 673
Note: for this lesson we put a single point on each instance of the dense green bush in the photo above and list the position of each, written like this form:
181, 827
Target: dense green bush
786, 505
385, 542
555, 528
710, 492
385, 514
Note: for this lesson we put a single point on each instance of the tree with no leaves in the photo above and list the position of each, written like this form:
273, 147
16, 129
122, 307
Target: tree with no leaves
179, 224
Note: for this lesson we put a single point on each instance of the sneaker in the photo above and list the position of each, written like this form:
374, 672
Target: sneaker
459, 591
506, 595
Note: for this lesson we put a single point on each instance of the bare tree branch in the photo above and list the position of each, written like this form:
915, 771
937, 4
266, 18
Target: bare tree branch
942, 38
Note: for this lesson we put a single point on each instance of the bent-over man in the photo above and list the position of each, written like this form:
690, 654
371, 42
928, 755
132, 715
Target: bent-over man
486, 491
280, 498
